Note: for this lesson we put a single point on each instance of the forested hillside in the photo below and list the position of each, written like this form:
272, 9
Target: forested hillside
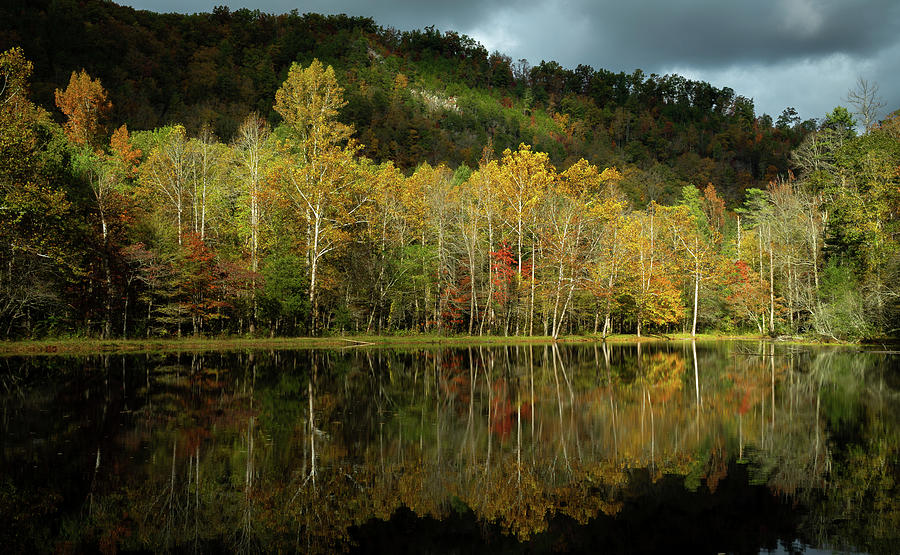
412, 96
248, 173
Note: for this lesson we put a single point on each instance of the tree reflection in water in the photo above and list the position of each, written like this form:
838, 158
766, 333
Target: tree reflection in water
637, 446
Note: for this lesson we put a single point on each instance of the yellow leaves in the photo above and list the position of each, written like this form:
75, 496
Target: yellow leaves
523, 178
432, 186
166, 161
579, 181
412, 198
525, 173
15, 71
611, 176
309, 101
648, 261
385, 185
562, 120
480, 193
714, 208
17, 117
321, 180
608, 210
321, 177
400, 82
583, 181
520, 508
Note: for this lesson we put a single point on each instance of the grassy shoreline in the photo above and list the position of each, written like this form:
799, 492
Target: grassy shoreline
82, 346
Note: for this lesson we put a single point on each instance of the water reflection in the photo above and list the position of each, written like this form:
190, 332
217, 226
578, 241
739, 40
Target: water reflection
718, 446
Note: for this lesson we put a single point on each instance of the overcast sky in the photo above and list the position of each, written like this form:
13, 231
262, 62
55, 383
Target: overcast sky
801, 53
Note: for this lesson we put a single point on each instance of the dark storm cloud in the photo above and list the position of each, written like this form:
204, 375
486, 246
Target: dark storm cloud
801, 53
716, 33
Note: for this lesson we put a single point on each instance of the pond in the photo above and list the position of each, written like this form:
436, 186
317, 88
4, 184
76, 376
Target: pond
657, 447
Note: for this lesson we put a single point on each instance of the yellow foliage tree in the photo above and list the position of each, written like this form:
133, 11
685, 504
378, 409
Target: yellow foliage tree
646, 282
523, 178
320, 171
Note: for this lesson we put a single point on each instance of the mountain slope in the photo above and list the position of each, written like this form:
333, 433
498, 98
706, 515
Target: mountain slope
412, 96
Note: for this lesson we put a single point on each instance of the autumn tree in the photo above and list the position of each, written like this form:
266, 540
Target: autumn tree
482, 185
84, 104
747, 296
573, 210
309, 101
523, 177
208, 162
428, 201
698, 238
121, 170
101, 172
201, 283
36, 215
649, 290
855, 205
18, 115
126, 156
758, 209
319, 172
251, 156
165, 175
471, 223
390, 231
604, 273
797, 228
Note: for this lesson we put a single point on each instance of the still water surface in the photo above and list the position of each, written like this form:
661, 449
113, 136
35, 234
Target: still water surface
668, 447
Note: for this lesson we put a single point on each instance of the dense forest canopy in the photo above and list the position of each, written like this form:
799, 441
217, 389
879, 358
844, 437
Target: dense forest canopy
239, 172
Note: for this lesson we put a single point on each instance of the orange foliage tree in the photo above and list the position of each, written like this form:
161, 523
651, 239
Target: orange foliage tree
84, 103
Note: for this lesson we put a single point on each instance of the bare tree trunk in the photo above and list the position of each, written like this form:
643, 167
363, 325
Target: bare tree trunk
473, 249
791, 292
559, 279
534, 256
313, 267
771, 285
440, 304
607, 318
696, 296
313, 309
107, 323
149, 312
490, 295
254, 253
759, 231
251, 140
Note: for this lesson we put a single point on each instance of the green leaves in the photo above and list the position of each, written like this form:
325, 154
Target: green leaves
18, 116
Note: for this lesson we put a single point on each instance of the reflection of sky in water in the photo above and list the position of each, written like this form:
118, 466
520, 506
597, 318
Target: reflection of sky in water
798, 547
